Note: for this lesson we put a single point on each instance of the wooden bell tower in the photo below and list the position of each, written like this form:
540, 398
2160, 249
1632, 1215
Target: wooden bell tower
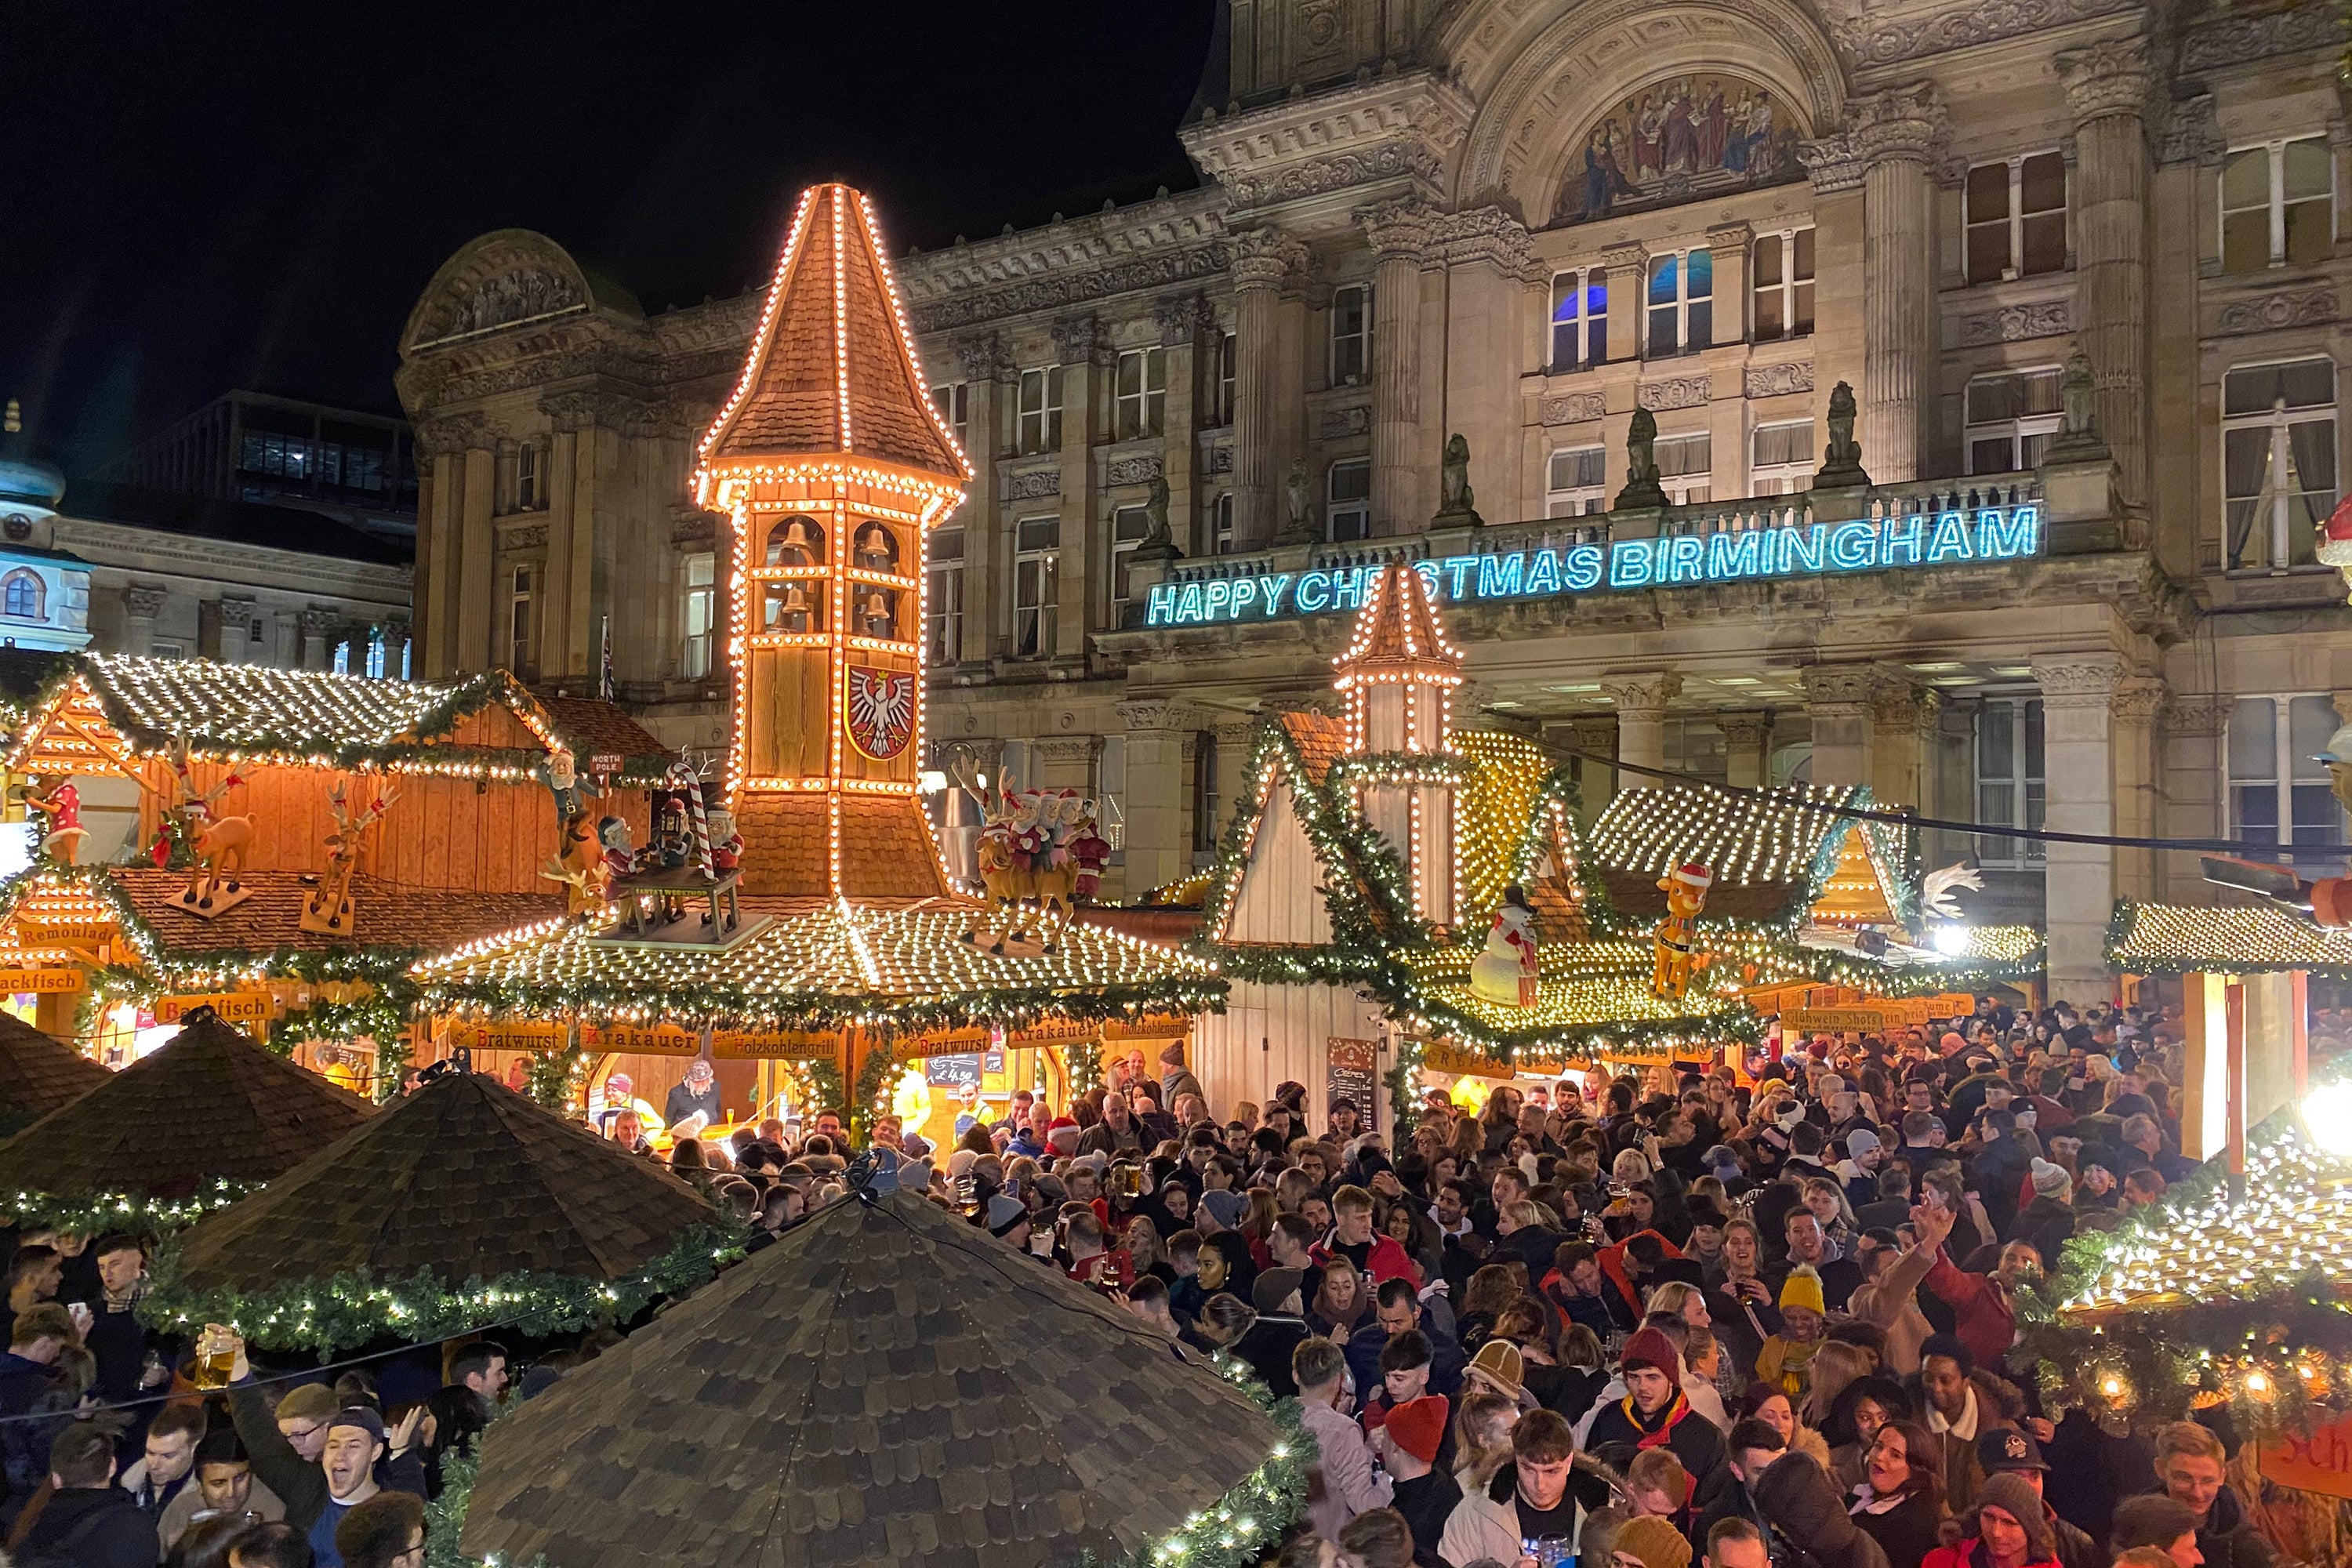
832, 466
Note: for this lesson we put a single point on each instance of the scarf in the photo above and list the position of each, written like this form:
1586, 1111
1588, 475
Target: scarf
1964, 1429
1657, 1436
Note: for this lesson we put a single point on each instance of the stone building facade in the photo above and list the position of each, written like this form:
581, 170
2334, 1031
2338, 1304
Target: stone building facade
1530, 222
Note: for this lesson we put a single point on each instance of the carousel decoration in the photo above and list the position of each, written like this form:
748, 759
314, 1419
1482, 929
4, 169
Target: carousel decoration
328, 910
217, 844
1677, 938
60, 809
1509, 971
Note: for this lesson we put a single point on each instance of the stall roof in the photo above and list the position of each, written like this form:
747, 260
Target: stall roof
820, 964
38, 1075
1591, 994
1773, 852
2177, 939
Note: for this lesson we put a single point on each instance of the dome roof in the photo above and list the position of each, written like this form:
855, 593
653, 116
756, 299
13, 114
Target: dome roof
26, 480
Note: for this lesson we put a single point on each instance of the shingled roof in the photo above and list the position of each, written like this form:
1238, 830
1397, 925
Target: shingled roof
464, 1178
38, 1075
211, 1104
886, 1386
832, 370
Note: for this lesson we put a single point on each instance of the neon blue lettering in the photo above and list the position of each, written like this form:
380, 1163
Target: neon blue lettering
1804, 549
1730, 555
1314, 595
1543, 571
1348, 588
1219, 599
1189, 608
1852, 546
1159, 604
1950, 539
1275, 584
1901, 543
1458, 569
1428, 570
1245, 595
1582, 567
2005, 536
1629, 563
1686, 559
1500, 576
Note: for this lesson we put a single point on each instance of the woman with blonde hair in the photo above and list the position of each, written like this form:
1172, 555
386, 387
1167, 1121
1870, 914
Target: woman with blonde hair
1833, 1369
1482, 1439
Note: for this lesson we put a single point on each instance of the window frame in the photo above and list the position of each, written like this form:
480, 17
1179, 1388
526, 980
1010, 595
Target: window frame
2283, 781
1682, 307
1356, 344
38, 589
1144, 411
2274, 202
704, 594
943, 599
1119, 552
1220, 525
2282, 537
522, 619
2016, 429
1680, 485
2014, 219
1796, 475
1359, 507
1046, 611
1594, 496
1037, 425
1791, 288
1584, 353
527, 496
1227, 370
2027, 780
952, 400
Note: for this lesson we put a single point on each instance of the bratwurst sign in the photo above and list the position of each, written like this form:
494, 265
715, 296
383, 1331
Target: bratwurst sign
1680, 561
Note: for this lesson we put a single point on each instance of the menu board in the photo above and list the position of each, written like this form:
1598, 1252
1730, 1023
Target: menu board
1352, 1073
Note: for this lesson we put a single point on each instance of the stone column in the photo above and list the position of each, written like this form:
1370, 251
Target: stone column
319, 628
2138, 699
1186, 323
1746, 747
2107, 92
1159, 791
1398, 232
1641, 702
1727, 244
2078, 695
396, 636
1087, 356
236, 616
1897, 132
1262, 259
991, 380
1629, 277
1490, 265
1596, 781
142, 604
1902, 740
1067, 761
476, 562
1838, 701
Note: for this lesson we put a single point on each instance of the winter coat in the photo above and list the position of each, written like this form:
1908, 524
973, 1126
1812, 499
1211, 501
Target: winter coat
94, 1526
1906, 1533
2227, 1539
1983, 1316
1797, 1499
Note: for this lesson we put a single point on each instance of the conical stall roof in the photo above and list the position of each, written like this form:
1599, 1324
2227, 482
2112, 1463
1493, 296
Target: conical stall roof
887, 1385
211, 1106
38, 1075
463, 1178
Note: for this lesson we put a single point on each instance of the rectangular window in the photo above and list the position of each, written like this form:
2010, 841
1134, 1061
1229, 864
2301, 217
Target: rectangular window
1347, 494
2010, 790
1036, 588
943, 609
2278, 205
1351, 333
1221, 402
1780, 459
1784, 284
1578, 483
1580, 319
1682, 303
1128, 524
698, 614
2016, 215
1221, 526
953, 400
519, 626
2278, 461
2011, 418
1041, 410
1111, 792
527, 481
1143, 392
1206, 827
1685, 468
2279, 791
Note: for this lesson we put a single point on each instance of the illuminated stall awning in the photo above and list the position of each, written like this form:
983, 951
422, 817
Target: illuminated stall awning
2179, 939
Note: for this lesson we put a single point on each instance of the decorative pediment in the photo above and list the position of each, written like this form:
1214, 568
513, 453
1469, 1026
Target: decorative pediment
506, 279
1682, 138
1376, 139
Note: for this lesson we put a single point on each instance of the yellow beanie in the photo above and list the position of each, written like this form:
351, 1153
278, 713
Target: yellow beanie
1803, 1288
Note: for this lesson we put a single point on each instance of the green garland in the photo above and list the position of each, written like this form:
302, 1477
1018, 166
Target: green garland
94, 1213
558, 1076
353, 1308
445, 1516
873, 1079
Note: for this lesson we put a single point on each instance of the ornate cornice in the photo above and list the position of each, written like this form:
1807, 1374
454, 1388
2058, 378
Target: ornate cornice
1080, 340
2015, 323
1679, 391
1486, 235
1399, 127
1572, 409
1745, 731
2202, 716
1833, 162
1643, 696
986, 358
1778, 380
445, 435
1399, 230
2270, 313
2110, 77
1947, 28
1846, 691
145, 601
1159, 713
2141, 697
2192, 132
2086, 680
1183, 319
1905, 122
2240, 39
1631, 255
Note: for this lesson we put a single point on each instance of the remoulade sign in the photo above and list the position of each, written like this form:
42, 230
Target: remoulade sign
1677, 560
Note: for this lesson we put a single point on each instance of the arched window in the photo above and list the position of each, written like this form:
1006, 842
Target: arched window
21, 596
795, 542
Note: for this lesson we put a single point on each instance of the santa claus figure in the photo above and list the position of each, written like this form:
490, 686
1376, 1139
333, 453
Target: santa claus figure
1508, 969
2336, 539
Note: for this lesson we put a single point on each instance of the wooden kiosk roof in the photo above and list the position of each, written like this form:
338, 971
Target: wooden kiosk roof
38, 1075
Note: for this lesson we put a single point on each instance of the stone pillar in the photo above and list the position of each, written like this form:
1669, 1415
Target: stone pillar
1747, 748
1727, 245
571, 533
2191, 763
396, 639
2107, 92
2078, 696
2137, 702
1902, 742
1159, 791
1398, 232
236, 617
1087, 356
1488, 264
477, 561
1596, 781
992, 384
1641, 702
142, 604
1186, 323
1898, 131
1629, 277
318, 626
1262, 259
1067, 761
1838, 702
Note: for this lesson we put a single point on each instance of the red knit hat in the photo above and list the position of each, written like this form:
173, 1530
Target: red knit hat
1418, 1427
1650, 1348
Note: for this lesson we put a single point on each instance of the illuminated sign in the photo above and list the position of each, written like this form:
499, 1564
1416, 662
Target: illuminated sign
1678, 561
42, 982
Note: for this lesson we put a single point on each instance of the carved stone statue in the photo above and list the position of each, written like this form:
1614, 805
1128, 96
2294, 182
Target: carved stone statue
1457, 503
1299, 490
2079, 393
1842, 461
1642, 488
1157, 545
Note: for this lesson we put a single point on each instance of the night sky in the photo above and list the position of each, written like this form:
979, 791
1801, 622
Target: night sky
199, 197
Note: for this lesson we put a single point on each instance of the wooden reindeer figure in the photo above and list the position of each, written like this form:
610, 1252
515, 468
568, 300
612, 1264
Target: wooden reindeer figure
219, 842
329, 908
580, 865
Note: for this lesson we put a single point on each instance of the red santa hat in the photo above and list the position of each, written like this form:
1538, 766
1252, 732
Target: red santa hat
2339, 521
1691, 874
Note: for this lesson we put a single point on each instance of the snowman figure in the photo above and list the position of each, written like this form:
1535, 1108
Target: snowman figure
1507, 970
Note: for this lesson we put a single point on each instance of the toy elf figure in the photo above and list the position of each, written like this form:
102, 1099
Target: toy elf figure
1676, 939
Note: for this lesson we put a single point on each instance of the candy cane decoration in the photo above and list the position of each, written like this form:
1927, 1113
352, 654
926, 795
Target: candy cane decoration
684, 778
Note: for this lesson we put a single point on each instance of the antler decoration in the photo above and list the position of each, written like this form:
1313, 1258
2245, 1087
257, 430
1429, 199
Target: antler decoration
1936, 889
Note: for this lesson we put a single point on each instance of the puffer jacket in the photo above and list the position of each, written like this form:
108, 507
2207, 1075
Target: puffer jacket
1797, 1499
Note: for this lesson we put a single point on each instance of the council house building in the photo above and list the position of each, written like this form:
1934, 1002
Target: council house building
1932, 395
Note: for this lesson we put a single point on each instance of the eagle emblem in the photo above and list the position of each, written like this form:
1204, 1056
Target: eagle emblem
880, 711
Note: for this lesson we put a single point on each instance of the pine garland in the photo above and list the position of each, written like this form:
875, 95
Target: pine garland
94, 1213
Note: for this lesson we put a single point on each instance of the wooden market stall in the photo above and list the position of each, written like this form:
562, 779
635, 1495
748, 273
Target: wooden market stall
38, 1075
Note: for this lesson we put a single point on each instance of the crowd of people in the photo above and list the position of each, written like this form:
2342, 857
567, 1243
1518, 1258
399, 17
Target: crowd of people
1763, 1317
